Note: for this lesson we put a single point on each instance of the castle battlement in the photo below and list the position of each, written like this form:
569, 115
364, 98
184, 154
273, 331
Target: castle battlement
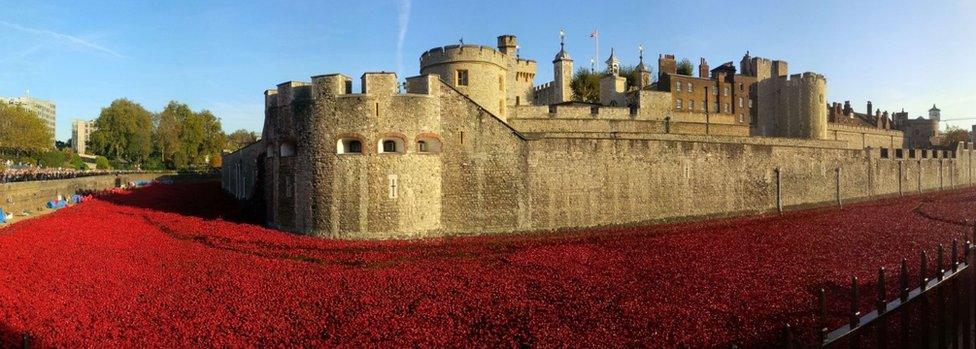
454, 53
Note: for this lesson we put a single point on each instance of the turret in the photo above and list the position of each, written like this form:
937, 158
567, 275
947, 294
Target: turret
508, 44
935, 114
870, 109
612, 85
643, 74
562, 66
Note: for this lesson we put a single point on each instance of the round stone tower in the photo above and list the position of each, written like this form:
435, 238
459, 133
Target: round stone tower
479, 72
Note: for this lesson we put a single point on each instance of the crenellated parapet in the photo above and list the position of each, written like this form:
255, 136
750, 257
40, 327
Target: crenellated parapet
456, 53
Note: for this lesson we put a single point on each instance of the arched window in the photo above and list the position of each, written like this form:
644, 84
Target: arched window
428, 145
349, 146
287, 149
390, 145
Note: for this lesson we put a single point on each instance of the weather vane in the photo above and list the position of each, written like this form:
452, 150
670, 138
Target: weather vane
640, 48
562, 38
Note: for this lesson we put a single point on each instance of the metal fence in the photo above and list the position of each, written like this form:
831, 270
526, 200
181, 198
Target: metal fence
934, 308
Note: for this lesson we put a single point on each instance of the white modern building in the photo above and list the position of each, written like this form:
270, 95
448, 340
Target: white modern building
44, 109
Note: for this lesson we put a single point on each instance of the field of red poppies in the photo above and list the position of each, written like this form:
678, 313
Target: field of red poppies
165, 266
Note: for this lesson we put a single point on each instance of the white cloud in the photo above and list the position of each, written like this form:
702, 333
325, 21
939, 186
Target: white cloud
63, 38
403, 20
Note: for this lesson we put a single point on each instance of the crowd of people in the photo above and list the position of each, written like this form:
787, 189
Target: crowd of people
32, 173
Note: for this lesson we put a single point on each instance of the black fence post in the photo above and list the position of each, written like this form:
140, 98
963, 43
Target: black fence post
788, 336
904, 318
882, 306
26, 344
822, 307
855, 319
923, 304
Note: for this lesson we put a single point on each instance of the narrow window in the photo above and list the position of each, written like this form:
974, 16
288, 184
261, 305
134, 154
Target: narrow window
691, 88
740, 102
678, 86
349, 146
501, 84
741, 118
518, 100
377, 109
678, 104
740, 86
691, 104
422, 146
390, 145
725, 91
726, 107
750, 102
462, 77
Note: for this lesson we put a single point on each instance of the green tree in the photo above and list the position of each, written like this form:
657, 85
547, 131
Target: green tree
685, 67
586, 86
124, 132
240, 139
102, 163
22, 133
166, 135
52, 158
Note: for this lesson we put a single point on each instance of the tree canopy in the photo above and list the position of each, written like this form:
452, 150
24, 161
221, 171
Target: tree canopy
123, 132
586, 84
685, 67
240, 139
22, 133
956, 134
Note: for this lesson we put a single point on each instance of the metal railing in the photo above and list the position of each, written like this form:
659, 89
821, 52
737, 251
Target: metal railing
938, 312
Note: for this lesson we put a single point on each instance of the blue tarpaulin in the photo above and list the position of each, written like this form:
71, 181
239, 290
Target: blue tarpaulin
3, 216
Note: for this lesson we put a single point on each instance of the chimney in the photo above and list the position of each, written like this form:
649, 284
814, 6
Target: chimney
703, 68
870, 110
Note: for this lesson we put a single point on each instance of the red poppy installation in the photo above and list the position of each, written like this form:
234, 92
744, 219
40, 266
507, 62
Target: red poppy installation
164, 266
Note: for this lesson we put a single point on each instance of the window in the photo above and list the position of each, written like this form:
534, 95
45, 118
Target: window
715, 92
726, 107
741, 118
390, 145
428, 145
725, 91
740, 86
287, 149
703, 106
678, 104
740, 102
691, 104
678, 86
750, 102
462, 77
691, 88
349, 146
501, 83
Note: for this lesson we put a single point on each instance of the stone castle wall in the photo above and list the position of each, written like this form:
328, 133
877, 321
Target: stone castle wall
34, 195
553, 167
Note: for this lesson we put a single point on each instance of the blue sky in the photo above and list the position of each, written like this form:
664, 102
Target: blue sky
221, 55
